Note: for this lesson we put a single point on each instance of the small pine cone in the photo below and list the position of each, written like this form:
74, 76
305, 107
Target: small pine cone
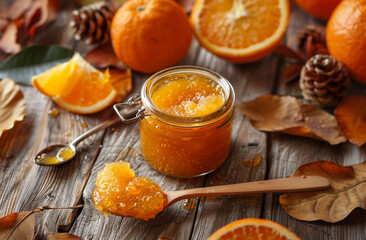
311, 40
324, 80
92, 23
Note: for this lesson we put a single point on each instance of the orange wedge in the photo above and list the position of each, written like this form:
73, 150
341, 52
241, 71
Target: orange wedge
240, 31
76, 86
253, 229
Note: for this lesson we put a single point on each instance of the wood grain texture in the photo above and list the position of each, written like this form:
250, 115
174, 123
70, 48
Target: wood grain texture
25, 186
246, 144
289, 152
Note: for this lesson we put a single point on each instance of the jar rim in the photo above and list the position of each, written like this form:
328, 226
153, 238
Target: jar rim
212, 117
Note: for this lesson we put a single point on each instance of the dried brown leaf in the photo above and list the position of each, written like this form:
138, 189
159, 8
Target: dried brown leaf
8, 41
347, 192
3, 23
4, 10
292, 73
17, 226
103, 57
286, 114
41, 12
18, 8
187, 5
62, 236
12, 104
288, 52
351, 117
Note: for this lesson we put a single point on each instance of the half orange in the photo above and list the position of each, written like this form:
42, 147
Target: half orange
240, 31
253, 229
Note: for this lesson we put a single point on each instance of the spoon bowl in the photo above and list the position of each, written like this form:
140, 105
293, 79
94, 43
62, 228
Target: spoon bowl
62, 153
50, 156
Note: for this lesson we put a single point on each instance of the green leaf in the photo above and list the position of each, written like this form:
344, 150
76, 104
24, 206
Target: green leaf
32, 61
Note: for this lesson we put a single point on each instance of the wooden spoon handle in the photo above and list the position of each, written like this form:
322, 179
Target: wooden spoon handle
290, 184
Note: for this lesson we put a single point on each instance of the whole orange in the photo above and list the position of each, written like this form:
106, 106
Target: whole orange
346, 36
321, 9
150, 35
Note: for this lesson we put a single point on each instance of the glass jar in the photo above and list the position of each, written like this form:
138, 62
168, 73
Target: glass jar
183, 146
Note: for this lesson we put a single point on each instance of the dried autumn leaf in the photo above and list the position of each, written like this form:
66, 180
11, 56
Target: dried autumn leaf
292, 73
187, 5
3, 23
17, 226
347, 191
12, 104
351, 117
41, 12
288, 52
103, 57
286, 114
18, 7
62, 236
20, 225
8, 41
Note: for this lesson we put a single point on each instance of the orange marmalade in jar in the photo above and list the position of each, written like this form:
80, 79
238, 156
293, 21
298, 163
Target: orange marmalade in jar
186, 124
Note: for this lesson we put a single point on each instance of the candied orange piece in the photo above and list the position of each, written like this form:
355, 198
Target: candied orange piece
119, 192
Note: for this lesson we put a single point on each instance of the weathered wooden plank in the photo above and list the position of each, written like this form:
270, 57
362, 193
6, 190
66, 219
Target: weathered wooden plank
289, 152
26, 186
249, 81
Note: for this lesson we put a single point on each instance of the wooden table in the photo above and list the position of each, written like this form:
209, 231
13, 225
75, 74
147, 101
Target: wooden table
26, 186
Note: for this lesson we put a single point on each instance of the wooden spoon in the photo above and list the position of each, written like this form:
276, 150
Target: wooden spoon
291, 184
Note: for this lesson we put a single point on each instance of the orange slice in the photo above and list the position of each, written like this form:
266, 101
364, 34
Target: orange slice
76, 86
253, 229
240, 31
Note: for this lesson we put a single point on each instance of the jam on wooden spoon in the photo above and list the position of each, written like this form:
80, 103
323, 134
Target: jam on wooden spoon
120, 192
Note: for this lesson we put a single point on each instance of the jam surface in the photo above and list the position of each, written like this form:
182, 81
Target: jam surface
188, 96
119, 192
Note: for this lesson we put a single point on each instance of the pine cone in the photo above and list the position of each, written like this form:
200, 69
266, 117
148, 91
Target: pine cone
324, 80
311, 41
92, 23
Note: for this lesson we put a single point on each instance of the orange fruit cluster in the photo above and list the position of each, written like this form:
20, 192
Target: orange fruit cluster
253, 229
346, 36
149, 36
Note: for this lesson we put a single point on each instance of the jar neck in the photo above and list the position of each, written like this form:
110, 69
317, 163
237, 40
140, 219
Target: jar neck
223, 112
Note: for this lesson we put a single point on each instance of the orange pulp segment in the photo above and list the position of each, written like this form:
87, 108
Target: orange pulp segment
240, 31
253, 229
51, 81
119, 192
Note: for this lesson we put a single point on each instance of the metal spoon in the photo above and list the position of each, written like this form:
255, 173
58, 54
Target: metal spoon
53, 155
